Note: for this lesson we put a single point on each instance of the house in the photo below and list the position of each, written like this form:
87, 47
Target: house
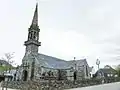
10, 75
106, 72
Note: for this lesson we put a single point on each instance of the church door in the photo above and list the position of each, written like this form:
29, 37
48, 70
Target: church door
75, 75
25, 74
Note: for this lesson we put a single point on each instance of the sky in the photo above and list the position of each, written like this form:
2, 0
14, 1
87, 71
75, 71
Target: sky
68, 28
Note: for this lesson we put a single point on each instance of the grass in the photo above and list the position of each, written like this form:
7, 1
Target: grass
4, 68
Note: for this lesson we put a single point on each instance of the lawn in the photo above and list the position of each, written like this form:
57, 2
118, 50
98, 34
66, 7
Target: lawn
4, 68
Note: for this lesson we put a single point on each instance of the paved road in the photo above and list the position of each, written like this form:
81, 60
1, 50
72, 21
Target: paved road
111, 86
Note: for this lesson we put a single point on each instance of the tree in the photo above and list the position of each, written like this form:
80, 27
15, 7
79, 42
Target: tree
118, 70
8, 57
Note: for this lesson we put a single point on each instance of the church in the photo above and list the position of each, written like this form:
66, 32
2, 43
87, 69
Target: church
37, 66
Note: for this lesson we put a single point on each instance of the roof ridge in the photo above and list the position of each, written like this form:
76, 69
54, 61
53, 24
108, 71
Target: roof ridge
52, 57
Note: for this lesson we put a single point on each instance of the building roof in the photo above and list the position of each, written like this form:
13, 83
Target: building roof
53, 62
107, 70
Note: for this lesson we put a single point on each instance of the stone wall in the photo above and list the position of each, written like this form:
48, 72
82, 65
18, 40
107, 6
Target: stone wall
53, 85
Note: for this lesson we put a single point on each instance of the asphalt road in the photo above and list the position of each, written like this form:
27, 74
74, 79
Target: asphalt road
111, 86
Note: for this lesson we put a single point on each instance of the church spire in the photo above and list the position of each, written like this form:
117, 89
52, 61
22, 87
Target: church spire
35, 17
33, 43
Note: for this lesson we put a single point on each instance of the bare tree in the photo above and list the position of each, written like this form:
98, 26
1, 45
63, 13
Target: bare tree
9, 58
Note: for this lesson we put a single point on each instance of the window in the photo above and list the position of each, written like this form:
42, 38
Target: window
108, 75
86, 71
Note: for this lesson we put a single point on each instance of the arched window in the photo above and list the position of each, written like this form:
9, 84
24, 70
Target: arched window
31, 35
86, 71
32, 70
34, 35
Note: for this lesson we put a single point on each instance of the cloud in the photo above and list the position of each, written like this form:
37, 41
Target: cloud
82, 28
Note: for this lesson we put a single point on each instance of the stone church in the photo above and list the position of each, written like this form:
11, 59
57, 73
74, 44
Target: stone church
37, 66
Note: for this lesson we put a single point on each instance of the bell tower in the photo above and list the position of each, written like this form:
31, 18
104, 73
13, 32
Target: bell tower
32, 42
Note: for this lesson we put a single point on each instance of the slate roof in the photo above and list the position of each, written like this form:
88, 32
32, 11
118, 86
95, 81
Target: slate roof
108, 71
53, 62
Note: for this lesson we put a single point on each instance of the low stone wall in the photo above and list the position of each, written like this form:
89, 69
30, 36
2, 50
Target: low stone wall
53, 85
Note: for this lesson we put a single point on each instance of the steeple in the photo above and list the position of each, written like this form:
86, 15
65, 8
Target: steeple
35, 17
33, 43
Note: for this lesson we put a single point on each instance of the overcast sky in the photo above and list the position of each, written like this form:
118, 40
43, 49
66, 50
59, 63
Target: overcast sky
69, 28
